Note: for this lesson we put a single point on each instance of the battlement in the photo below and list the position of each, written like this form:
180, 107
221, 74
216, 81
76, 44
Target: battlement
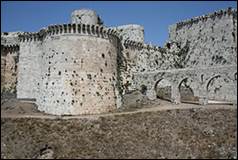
220, 13
89, 29
30, 36
10, 48
83, 29
140, 45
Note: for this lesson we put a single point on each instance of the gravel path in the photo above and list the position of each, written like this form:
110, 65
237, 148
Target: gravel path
15, 109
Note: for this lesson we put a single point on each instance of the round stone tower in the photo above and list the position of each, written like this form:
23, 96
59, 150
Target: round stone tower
79, 70
85, 16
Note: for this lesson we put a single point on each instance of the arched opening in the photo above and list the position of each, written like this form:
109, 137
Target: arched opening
163, 89
143, 89
186, 92
220, 90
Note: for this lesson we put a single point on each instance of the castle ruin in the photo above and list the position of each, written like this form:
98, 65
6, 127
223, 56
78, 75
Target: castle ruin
87, 68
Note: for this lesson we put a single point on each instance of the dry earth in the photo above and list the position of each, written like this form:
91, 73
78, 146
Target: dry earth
153, 131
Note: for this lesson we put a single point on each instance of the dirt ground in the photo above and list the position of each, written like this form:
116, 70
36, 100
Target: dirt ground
15, 108
156, 130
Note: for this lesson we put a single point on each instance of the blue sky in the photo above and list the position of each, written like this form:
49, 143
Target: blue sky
154, 16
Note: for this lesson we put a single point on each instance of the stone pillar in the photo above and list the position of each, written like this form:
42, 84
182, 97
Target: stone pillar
175, 95
203, 95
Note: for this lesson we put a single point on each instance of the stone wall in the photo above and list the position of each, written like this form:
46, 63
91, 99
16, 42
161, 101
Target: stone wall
211, 39
9, 63
131, 32
29, 68
201, 42
9, 69
142, 58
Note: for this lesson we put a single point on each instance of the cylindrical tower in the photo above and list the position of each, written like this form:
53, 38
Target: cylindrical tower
85, 16
79, 70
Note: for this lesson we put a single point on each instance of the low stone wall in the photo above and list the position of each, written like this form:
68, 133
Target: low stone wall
184, 133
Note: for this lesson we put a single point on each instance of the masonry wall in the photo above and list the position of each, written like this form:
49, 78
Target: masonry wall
132, 32
29, 69
207, 41
222, 88
211, 39
9, 62
146, 58
79, 74
3, 64
3, 68
135, 59
10, 73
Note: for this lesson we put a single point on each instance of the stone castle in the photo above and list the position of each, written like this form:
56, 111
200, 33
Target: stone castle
87, 68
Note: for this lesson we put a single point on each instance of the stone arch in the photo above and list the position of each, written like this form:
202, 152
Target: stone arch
220, 89
143, 89
211, 79
163, 89
186, 90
